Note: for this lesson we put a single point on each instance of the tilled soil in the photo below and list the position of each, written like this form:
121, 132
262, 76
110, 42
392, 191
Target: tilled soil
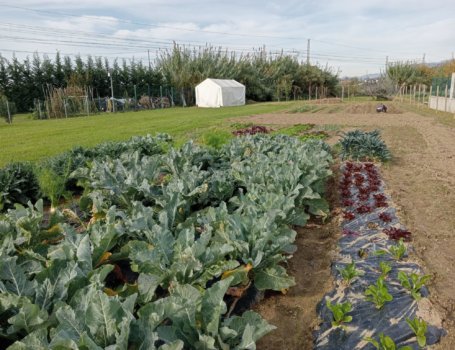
421, 180
294, 314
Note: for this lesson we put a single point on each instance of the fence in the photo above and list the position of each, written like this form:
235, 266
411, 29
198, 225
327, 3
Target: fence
7, 109
440, 86
414, 94
439, 96
145, 96
442, 98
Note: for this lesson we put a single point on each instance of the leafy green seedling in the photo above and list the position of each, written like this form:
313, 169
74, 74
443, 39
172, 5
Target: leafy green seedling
413, 283
378, 293
380, 252
349, 273
419, 327
385, 268
398, 251
385, 343
339, 311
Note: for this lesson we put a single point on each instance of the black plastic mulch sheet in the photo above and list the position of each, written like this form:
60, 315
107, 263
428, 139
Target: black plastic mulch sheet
363, 241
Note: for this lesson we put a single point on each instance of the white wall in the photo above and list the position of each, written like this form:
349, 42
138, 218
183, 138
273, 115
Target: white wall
442, 104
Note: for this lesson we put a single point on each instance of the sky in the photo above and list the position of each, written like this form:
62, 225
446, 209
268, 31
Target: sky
353, 38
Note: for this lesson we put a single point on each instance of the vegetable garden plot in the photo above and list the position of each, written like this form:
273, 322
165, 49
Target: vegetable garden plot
159, 247
380, 297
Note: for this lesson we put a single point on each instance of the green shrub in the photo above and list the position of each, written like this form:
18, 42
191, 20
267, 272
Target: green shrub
216, 139
52, 185
18, 184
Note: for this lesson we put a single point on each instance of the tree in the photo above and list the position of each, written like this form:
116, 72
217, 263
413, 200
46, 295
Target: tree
402, 73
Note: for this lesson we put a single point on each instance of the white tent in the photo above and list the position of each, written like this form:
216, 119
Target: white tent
220, 92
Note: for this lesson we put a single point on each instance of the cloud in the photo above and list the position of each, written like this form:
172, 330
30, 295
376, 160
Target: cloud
84, 23
352, 35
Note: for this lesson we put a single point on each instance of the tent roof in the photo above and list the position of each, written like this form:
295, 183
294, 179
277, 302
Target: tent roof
223, 82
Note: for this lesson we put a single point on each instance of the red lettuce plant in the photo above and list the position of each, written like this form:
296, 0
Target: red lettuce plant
363, 197
398, 233
363, 209
348, 232
348, 215
386, 217
255, 129
346, 193
348, 203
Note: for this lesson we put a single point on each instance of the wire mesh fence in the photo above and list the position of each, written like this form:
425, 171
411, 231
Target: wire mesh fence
440, 86
62, 103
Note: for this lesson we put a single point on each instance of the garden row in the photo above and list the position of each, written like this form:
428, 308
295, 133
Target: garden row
380, 294
51, 179
162, 247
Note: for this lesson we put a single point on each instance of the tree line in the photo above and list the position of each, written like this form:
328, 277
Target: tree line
267, 76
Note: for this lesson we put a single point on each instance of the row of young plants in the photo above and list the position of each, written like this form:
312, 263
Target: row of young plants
372, 270
162, 249
361, 145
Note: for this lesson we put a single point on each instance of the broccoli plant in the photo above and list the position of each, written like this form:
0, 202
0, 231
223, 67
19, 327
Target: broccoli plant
339, 312
378, 293
419, 327
413, 283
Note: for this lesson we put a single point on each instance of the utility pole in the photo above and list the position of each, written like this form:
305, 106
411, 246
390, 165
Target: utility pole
150, 65
423, 59
308, 52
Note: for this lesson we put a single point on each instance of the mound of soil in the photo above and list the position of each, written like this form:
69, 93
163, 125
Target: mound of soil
324, 101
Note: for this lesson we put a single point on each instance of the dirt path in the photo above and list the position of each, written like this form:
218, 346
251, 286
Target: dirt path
294, 314
421, 179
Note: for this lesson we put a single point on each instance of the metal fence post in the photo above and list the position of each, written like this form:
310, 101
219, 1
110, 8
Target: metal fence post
161, 96
9, 114
64, 106
86, 106
437, 97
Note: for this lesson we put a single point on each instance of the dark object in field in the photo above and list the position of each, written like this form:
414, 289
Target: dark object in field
381, 108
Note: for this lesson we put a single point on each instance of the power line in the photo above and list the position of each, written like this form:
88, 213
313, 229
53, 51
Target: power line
107, 19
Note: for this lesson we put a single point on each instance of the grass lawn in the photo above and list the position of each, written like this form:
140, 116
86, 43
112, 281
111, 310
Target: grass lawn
30, 140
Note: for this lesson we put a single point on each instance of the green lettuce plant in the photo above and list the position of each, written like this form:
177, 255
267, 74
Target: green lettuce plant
340, 313
419, 327
413, 283
349, 272
378, 293
385, 343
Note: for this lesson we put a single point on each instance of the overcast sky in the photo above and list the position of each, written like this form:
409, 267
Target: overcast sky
352, 37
